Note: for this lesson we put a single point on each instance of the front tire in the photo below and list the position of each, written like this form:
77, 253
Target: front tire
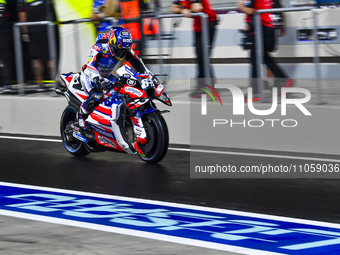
72, 145
158, 138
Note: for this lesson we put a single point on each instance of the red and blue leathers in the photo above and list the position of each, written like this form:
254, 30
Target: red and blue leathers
100, 64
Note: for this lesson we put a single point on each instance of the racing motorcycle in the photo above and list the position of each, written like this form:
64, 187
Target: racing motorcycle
123, 118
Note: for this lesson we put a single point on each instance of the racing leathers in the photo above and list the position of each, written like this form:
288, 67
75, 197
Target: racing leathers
97, 75
97, 72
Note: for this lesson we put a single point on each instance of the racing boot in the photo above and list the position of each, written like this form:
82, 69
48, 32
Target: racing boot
82, 121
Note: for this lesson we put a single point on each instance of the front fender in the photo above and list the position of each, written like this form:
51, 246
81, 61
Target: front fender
140, 113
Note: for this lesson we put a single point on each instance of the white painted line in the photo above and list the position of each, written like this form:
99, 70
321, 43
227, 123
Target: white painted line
31, 139
257, 155
178, 205
160, 237
201, 151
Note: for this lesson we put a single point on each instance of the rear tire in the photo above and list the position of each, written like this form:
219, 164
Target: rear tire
158, 138
72, 145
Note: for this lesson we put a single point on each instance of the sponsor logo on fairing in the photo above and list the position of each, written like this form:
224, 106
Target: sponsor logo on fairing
103, 132
104, 140
133, 91
138, 131
79, 137
127, 69
131, 82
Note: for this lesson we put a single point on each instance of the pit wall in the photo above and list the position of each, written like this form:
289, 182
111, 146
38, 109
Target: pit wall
41, 116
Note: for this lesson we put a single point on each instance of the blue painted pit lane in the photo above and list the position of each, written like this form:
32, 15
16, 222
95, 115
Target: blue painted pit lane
220, 229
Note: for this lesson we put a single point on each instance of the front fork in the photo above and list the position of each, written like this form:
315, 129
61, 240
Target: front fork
139, 130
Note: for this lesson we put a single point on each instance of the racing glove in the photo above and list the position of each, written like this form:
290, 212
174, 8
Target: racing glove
120, 82
102, 83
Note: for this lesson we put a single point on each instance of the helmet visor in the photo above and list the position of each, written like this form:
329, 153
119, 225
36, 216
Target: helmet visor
120, 53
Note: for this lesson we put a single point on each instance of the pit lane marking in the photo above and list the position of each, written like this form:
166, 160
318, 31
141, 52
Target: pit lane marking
200, 151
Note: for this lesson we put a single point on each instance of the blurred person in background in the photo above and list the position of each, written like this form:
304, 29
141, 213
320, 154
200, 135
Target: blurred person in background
144, 4
5, 46
36, 36
186, 7
102, 9
249, 7
278, 22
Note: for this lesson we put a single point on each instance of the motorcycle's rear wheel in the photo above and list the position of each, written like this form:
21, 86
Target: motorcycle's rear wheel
72, 145
158, 138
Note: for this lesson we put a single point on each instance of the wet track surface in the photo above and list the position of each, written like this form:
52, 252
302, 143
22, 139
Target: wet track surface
48, 164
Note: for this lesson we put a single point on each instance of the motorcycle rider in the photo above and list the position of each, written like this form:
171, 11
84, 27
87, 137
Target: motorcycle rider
96, 75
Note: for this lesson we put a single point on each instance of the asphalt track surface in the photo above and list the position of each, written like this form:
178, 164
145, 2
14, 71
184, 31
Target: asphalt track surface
48, 164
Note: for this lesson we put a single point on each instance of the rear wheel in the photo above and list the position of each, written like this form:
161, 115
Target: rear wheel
72, 145
157, 138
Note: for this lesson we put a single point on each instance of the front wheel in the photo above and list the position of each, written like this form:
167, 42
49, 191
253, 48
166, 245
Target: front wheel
158, 138
72, 145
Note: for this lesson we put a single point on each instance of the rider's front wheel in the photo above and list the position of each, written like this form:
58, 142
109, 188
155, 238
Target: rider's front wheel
157, 138
72, 145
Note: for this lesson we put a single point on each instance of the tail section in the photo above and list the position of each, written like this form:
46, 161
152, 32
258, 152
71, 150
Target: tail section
73, 90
